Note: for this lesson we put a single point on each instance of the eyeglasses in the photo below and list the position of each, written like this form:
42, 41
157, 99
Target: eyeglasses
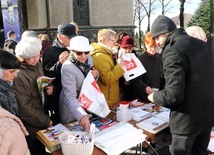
80, 53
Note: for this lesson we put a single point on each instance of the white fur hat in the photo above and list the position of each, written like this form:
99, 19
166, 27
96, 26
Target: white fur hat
80, 43
28, 47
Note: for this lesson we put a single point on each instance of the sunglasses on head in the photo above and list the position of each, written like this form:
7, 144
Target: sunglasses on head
80, 53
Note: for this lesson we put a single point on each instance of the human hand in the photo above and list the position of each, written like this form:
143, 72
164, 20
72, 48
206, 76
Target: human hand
94, 72
51, 123
121, 61
63, 57
49, 90
149, 90
84, 122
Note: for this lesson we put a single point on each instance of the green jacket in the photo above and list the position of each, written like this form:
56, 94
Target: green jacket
109, 73
29, 100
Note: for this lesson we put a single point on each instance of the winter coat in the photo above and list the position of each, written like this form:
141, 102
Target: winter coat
31, 110
152, 77
109, 73
7, 98
72, 80
52, 68
12, 135
189, 91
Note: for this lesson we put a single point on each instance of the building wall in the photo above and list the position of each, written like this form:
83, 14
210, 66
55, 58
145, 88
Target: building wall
111, 12
114, 14
36, 14
102, 13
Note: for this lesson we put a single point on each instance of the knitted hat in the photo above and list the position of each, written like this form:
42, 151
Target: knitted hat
80, 43
28, 47
67, 29
127, 41
161, 25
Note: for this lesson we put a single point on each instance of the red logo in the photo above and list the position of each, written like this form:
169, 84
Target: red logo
129, 65
85, 102
94, 83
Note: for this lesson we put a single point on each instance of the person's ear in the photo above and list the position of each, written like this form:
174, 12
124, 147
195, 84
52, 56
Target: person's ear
1, 73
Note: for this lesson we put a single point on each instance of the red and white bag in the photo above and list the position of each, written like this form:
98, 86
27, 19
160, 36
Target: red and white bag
132, 66
91, 97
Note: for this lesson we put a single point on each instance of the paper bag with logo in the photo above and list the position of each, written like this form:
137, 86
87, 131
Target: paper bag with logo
132, 66
91, 97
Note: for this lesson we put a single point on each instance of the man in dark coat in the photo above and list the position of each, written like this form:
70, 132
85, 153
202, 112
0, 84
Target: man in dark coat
189, 91
53, 59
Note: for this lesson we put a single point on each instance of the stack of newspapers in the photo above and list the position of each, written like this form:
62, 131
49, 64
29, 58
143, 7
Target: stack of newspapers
139, 114
118, 138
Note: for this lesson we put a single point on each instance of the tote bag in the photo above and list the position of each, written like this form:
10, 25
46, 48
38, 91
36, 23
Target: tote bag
132, 66
91, 97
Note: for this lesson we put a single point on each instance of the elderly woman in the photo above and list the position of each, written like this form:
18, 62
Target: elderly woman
31, 110
9, 65
152, 62
74, 71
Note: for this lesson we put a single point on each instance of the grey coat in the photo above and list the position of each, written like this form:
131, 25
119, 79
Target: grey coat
7, 98
72, 80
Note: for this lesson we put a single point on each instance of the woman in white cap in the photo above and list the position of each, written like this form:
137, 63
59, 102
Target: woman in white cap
73, 72
31, 110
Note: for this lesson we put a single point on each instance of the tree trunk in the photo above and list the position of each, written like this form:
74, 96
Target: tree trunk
181, 16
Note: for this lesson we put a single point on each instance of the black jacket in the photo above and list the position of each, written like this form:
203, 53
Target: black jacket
152, 78
52, 68
189, 91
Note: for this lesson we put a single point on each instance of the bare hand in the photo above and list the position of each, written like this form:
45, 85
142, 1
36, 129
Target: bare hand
51, 123
94, 72
121, 61
49, 90
63, 57
149, 90
84, 122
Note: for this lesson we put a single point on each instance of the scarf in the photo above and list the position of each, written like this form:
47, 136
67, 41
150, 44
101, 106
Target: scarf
83, 67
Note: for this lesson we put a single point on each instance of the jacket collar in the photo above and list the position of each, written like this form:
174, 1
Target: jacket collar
174, 36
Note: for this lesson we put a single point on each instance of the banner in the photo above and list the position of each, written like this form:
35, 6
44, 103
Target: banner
10, 17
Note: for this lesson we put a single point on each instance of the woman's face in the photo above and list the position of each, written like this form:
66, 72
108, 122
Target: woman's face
33, 61
127, 49
10, 74
81, 56
151, 49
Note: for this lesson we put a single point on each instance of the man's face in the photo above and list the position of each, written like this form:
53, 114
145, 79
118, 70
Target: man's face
64, 40
161, 39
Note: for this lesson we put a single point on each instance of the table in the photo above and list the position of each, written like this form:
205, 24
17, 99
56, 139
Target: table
98, 151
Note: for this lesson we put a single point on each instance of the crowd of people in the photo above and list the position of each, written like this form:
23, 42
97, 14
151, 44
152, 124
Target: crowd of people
180, 77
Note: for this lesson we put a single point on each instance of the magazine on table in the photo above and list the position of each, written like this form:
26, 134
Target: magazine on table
152, 124
50, 136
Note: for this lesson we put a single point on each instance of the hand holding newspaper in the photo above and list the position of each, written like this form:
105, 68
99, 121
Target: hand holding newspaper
42, 82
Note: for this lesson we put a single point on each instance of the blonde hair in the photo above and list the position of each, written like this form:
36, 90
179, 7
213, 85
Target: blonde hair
45, 37
40, 36
76, 27
104, 34
196, 32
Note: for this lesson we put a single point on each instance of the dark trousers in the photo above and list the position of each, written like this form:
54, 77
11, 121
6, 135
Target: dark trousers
190, 144
35, 147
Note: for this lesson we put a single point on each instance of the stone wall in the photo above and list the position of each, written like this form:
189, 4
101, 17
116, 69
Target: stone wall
111, 12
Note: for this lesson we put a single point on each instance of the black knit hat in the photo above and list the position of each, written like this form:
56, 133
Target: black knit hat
161, 25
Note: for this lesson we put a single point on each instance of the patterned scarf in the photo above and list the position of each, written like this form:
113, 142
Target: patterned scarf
84, 67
